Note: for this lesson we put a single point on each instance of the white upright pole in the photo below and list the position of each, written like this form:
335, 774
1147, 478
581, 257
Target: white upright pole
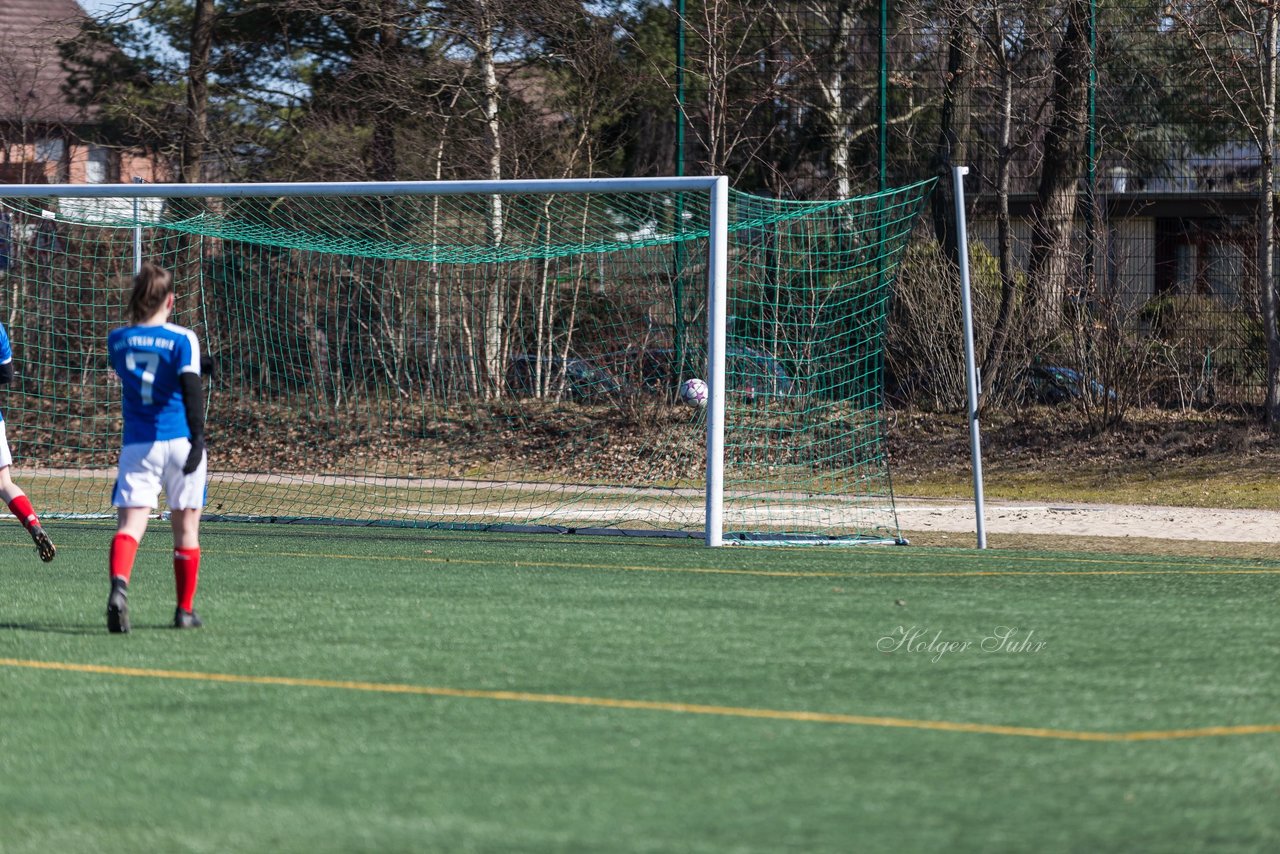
137, 231
971, 368
717, 309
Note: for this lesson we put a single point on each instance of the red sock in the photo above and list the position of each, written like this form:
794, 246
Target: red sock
186, 571
123, 550
26, 514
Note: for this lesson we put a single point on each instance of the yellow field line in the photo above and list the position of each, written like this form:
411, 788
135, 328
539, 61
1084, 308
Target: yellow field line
650, 705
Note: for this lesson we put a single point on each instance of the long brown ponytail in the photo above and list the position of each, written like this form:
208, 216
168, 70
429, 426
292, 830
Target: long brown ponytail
150, 287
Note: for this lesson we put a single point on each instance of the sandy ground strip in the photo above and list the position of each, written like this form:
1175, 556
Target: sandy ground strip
914, 514
1094, 520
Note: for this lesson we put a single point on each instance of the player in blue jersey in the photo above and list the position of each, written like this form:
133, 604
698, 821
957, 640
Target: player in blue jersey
159, 367
9, 491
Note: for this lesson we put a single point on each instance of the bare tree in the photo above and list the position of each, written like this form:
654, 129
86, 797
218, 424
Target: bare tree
995, 33
478, 25
730, 65
821, 73
1237, 41
1053, 212
953, 130
196, 127
838, 111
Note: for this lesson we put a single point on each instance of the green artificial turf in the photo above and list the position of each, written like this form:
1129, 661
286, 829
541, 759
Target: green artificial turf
546, 631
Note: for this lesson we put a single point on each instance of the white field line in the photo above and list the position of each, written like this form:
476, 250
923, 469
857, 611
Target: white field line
440, 483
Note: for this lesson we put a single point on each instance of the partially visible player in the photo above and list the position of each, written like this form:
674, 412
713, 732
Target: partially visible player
159, 367
10, 491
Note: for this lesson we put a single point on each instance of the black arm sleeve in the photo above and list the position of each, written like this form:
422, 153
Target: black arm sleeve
193, 400
6, 373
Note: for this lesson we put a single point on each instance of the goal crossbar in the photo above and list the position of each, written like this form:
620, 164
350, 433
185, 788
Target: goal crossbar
538, 186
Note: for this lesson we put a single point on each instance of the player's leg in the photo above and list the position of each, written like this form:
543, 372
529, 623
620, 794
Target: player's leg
131, 525
186, 501
137, 493
186, 565
20, 505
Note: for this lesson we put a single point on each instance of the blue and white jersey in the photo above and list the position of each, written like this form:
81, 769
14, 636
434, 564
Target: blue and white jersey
6, 352
149, 360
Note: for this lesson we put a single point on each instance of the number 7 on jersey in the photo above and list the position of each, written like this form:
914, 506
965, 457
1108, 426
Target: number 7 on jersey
144, 365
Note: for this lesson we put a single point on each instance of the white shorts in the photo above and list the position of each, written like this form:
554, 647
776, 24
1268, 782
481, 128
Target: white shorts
146, 467
6, 458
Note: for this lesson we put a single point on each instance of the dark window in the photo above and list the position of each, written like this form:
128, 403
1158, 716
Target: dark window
1207, 257
22, 173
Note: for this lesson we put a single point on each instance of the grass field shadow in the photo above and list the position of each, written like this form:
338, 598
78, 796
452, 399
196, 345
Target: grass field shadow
52, 628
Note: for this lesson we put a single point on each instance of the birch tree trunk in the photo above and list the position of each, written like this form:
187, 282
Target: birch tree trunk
1267, 218
436, 324
495, 300
832, 92
832, 102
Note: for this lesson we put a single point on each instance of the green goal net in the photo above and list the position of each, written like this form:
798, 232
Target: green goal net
490, 361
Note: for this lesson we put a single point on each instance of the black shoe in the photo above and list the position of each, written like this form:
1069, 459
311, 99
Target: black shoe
44, 545
118, 607
186, 619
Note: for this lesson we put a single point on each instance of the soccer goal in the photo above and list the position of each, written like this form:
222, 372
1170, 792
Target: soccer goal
500, 356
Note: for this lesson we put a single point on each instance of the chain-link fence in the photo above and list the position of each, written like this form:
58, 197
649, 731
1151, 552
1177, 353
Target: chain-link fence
1118, 153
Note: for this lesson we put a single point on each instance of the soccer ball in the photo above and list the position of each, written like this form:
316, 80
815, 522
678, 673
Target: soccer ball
693, 392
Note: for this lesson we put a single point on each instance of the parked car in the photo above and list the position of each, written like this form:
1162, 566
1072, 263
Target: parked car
1056, 384
747, 370
583, 379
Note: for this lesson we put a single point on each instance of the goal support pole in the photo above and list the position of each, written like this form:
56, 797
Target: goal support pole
970, 362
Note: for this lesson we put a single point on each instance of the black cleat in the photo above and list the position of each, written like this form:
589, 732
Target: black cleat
44, 545
118, 607
186, 619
